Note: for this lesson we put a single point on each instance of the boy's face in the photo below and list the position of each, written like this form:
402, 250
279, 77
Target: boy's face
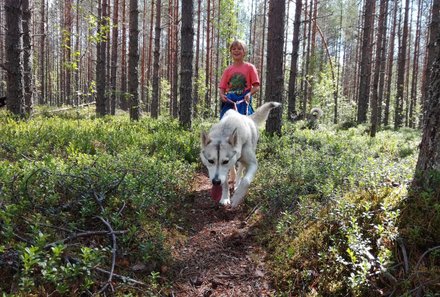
237, 52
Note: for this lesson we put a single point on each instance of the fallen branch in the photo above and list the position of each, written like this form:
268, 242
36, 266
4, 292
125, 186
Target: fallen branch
404, 254
121, 277
114, 246
83, 234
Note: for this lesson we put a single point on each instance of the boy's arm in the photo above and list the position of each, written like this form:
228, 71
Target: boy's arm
254, 89
222, 95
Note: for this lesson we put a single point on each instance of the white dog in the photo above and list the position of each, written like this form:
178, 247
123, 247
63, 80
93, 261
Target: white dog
233, 140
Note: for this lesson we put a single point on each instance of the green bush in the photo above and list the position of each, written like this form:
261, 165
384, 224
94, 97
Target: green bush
332, 196
59, 175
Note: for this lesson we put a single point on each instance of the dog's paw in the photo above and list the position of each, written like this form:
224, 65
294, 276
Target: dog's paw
225, 202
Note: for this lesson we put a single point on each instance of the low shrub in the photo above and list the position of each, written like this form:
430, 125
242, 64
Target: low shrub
80, 197
332, 197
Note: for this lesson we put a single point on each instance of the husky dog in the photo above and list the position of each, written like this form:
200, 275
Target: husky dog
233, 140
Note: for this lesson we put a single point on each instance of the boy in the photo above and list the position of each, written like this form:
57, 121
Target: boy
239, 82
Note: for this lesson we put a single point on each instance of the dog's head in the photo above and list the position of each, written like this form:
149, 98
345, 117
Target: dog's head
219, 156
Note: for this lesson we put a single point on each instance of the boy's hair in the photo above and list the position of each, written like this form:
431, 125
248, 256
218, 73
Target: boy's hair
238, 42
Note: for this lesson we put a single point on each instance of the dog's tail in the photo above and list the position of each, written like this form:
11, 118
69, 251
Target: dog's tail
261, 114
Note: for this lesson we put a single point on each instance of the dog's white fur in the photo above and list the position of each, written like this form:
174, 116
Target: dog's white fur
234, 140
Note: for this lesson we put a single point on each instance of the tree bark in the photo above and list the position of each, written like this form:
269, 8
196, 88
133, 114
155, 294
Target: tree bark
155, 102
114, 56
175, 111
382, 68
133, 61
415, 76
43, 95
293, 66
275, 77
365, 71
124, 98
150, 51
14, 64
196, 72
431, 53
100, 64
208, 57
263, 39
401, 64
186, 60
380, 53
387, 93
428, 164
27, 58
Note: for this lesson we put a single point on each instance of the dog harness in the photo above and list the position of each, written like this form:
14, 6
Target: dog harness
237, 103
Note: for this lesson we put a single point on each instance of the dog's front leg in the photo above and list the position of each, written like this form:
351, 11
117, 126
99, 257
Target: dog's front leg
225, 193
245, 182
238, 175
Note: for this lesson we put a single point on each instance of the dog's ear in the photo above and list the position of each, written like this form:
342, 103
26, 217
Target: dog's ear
233, 138
205, 139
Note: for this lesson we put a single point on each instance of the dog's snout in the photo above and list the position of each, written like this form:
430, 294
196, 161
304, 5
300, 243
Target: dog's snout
216, 181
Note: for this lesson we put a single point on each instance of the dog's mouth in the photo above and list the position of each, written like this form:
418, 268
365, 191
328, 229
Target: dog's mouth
216, 192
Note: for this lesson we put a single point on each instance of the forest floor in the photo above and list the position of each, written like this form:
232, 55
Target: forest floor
221, 256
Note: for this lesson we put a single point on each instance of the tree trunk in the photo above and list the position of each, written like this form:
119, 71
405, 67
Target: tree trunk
43, 94
175, 59
169, 56
293, 66
307, 36
217, 56
150, 51
431, 53
67, 47
208, 57
186, 60
14, 64
133, 61
275, 77
387, 93
100, 64
415, 76
77, 51
382, 68
428, 164
401, 64
27, 58
365, 71
114, 56
263, 39
380, 53
124, 98
196, 72
143, 53
155, 103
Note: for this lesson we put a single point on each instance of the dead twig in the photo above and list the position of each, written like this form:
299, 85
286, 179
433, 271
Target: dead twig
121, 277
404, 254
114, 246
83, 234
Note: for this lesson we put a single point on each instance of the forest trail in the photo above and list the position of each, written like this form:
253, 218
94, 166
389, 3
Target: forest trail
221, 256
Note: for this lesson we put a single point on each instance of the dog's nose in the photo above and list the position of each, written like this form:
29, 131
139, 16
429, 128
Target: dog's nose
216, 181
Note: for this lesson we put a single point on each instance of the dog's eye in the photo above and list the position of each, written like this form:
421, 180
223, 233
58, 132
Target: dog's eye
211, 161
225, 162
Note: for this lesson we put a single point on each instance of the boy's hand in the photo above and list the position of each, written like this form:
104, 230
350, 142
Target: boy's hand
247, 97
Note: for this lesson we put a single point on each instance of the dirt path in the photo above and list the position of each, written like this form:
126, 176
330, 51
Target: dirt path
220, 257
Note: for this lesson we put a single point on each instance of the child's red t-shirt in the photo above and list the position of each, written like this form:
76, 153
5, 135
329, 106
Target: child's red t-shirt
239, 79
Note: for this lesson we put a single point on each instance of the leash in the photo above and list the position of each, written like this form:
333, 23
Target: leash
234, 103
